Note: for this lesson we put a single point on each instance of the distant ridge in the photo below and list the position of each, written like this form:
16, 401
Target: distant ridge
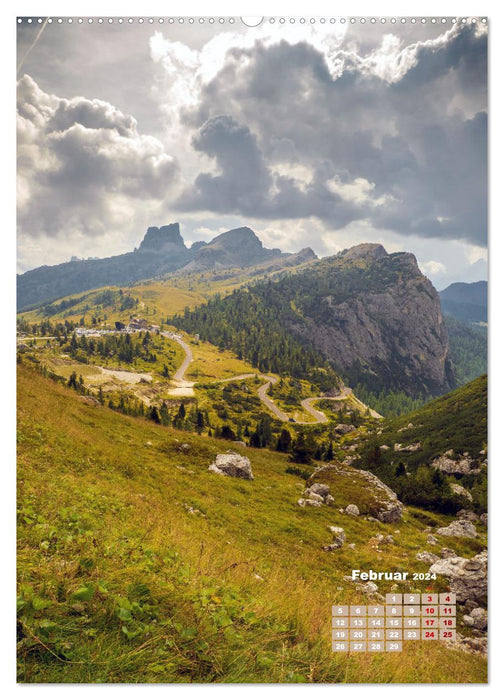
161, 251
466, 301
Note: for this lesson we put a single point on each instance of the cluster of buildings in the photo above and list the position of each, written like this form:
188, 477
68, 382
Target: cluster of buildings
136, 324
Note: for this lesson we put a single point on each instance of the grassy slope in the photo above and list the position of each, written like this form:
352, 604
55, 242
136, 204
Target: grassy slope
457, 421
103, 500
158, 298
156, 301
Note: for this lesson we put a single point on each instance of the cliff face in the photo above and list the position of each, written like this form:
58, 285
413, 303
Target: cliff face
382, 323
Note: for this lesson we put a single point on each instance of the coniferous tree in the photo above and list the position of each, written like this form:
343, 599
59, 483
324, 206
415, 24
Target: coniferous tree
284, 441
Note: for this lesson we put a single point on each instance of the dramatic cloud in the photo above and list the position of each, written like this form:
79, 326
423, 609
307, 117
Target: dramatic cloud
321, 135
82, 165
396, 136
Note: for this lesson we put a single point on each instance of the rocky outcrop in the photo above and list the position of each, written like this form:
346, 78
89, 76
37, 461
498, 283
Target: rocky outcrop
379, 320
458, 528
352, 509
467, 578
165, 238
448, 465
461, 491
370, 495
343, 429
427, 557
232, 464
465, 514
477, 618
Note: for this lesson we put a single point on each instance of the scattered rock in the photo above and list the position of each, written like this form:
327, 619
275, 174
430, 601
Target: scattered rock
465, 514
351, 545
467, 577
232, 464
310, 495
458, 528
427, 557
352, 509
319, 492
461, 491
484, 519
475, 645
447, 553
339, 538
185, 448
320, 489
384, 447
240, 442
432, 540
414, 447
343, 429
380, 539
463, 465
192, 510
370, 589
148, 443
309, 502
479, 618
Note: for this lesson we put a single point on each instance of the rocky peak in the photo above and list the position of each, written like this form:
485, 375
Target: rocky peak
304, 255
237, 239
367, 251
156, 239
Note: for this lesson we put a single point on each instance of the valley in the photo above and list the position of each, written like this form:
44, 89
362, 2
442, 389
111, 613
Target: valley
140, 559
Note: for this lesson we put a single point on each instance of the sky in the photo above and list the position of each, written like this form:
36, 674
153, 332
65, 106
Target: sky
324, 135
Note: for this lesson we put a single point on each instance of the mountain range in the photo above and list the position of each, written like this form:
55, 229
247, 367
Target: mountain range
466, 301
161, 251
373, 317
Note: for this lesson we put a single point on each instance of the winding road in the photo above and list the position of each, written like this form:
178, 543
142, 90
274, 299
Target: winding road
185, 388
182, 387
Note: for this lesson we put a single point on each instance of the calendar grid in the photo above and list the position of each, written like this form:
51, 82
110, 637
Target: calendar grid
384, 628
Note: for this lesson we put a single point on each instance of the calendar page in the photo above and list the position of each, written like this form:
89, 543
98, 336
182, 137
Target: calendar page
251, 349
